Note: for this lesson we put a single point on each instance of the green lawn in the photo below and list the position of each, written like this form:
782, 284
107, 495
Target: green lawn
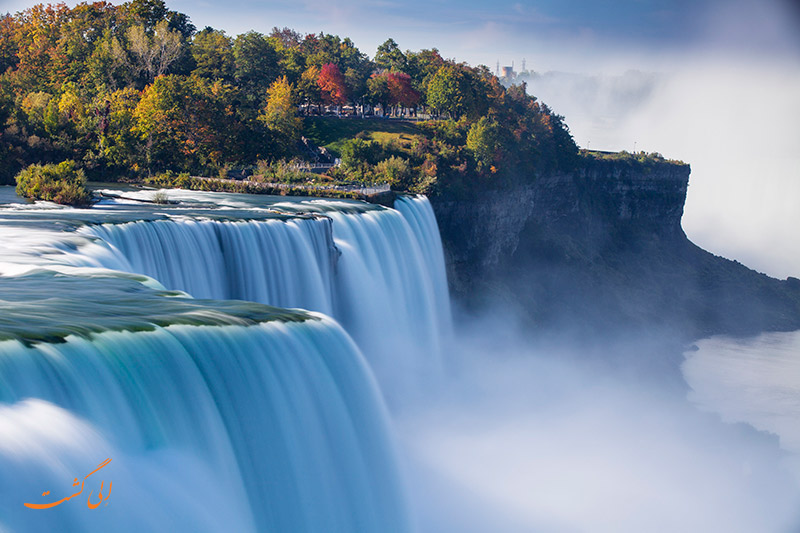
331, 132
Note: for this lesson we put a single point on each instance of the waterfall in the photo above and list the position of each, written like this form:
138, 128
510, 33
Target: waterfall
378, 271
147, 336
276, 262
275, 426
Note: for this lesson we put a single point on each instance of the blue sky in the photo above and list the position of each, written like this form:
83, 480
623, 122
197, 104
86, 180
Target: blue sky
549, 33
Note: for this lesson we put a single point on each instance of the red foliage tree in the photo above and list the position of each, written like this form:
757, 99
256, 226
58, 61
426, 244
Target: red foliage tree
331, 85
400, 89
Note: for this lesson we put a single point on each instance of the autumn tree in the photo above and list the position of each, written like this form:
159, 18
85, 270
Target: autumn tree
279, 116
188, 123
8, 44
308, 87
400, 89
331, 85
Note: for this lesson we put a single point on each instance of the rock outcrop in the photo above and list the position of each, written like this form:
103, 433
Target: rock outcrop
600, 249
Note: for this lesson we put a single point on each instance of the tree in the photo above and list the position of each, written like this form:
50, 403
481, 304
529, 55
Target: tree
356, 79
482, 140
148, 13
8, 45
396, 171
154, 53
279, 115
445, 93
286, 37
400, 89
189, 122
378, 91
308, 88
256, 65
118, 144
212, 52
331, 85
422, 65
389, 57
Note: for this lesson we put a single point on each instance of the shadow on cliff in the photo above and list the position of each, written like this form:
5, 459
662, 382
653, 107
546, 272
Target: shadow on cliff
601, 250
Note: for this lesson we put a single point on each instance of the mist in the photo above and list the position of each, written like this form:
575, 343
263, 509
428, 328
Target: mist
735, 123
529, 435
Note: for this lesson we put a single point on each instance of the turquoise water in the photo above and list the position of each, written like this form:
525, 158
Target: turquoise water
193, 344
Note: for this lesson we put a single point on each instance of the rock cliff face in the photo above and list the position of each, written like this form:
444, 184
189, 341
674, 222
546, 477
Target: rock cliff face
602, 248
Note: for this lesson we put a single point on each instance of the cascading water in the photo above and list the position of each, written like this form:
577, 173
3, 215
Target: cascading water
282, 415
388, 287
281, 263
218, 415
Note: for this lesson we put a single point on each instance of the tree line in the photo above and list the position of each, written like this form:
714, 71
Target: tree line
136, 89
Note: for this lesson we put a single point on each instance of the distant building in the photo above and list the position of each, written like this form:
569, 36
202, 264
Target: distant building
508, 73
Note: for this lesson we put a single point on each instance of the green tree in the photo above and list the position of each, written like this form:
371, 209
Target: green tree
396, 171
445, 92
482, 141
378, 92
212, 52
358, 155
256, 65
118, 145
390, 57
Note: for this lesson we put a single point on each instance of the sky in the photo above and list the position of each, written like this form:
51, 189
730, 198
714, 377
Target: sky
710, 82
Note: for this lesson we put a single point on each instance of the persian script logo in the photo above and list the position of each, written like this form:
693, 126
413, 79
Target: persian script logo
75, 484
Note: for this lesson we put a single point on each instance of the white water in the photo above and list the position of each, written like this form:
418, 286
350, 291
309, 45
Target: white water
277, 427
269, 427
281, 263
384, 280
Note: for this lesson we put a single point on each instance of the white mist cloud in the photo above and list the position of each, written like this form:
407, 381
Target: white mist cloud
554, 440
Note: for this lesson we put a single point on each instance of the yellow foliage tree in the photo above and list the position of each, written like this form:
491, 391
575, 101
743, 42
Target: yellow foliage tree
279, 115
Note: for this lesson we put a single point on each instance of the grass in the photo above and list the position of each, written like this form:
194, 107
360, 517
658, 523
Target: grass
332, 132
636, 157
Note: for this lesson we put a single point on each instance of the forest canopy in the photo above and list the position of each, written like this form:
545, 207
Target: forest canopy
135, 90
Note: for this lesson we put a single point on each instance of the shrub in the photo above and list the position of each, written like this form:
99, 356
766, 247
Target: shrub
282, 171
62, 183
160, 197
396, 171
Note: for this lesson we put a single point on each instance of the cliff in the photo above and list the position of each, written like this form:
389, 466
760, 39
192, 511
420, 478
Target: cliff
601, 248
